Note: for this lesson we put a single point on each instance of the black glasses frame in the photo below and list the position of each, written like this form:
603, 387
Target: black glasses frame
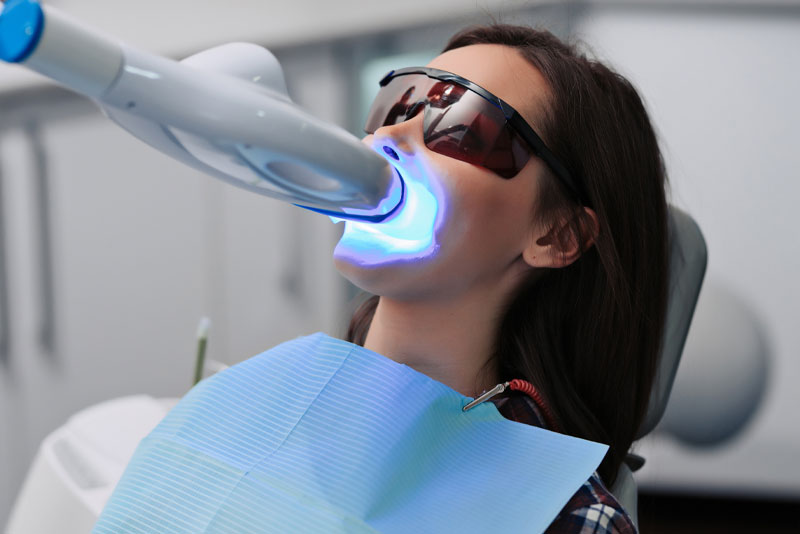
513, 118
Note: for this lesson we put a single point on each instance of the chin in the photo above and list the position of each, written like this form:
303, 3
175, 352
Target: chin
387, 276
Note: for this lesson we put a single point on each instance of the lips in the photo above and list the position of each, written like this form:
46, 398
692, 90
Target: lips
408, 234
413, 221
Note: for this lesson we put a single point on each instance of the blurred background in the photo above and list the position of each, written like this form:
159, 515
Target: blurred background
110, 252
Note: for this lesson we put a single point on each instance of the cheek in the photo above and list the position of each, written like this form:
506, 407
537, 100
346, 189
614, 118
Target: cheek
491, 215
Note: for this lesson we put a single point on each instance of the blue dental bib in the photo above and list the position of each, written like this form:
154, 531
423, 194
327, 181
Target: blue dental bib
319, 435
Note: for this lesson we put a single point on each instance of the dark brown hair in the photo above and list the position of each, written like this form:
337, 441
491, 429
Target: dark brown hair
588, 335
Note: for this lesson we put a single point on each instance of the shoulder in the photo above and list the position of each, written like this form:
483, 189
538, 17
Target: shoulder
592, 510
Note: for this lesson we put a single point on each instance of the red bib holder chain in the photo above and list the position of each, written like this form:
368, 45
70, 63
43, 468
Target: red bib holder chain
525, 387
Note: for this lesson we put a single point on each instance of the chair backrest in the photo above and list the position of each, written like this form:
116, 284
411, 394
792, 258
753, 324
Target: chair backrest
687, 267
688, 257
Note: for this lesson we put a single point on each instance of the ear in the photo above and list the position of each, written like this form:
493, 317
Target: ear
560, 245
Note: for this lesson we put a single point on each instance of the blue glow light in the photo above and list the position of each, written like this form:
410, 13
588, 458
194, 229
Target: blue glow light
408, 235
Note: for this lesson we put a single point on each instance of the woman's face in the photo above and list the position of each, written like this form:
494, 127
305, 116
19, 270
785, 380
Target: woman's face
463, 226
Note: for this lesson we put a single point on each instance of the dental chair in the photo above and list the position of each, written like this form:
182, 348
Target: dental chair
79, 464
687, 267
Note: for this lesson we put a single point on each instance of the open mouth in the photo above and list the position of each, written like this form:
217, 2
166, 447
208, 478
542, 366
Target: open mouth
409, 231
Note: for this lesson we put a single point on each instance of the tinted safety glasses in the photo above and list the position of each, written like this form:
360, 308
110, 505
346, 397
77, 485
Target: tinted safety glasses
463, 121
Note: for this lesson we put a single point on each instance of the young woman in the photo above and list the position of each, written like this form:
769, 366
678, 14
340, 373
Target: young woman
548, 255
531, 249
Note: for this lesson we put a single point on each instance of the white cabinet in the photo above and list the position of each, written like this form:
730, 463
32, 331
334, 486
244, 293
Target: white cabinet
127, 281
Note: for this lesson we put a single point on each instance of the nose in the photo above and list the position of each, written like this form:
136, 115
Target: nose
415, 109
390, 152
400, 141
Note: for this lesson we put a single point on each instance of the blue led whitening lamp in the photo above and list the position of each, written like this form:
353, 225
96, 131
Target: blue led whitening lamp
223, 111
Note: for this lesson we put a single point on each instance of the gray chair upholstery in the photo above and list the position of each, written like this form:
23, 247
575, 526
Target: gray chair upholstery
687, 267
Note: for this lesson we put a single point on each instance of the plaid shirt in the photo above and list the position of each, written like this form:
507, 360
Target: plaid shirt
592, 510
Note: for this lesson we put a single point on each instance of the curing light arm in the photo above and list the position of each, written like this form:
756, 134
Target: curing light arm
224, 111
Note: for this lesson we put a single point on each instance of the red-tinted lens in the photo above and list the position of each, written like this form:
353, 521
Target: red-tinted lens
471, 129
508, 155
396, 99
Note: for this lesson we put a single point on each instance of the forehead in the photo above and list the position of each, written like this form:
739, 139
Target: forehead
502, 71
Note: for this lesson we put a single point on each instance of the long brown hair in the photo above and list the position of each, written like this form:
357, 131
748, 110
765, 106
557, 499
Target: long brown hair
588, 335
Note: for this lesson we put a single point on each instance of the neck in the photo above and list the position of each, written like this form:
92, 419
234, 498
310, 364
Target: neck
447, 340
